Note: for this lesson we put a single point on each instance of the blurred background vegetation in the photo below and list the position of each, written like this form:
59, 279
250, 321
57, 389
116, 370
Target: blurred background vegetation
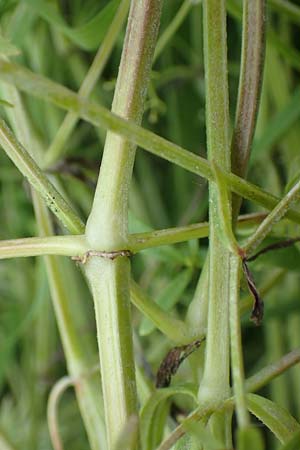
59, 39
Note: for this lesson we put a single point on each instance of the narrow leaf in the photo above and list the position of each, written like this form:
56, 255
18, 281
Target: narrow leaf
148, 413
276, 418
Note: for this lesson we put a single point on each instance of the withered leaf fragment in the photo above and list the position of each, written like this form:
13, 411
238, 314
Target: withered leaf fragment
172, 361
258, 307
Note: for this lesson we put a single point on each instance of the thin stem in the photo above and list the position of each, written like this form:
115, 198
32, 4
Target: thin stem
214, 386
52, 410
50, 245
46, 89
252, 63
29, 168
237, 366
173, 328
56, 148
107, 226
275, 215
142, 241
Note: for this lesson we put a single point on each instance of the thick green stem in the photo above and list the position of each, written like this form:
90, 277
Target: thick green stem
107, 226
215, 383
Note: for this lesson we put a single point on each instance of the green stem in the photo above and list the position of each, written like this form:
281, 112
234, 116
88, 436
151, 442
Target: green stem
278, 212
252, 384
29, 168
107, 226
49, 245
173, 328
237, 366
42, 87
142, 241
215, 383
79, 347
56, 148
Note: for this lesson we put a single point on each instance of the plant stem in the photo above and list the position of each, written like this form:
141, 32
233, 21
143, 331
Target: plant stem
268, 373
49, 245
79, 347
42, 87
271, 219
56, 149
174, 329
167, 236
29, 168
237, 366
107, 226
214, 387
252, 64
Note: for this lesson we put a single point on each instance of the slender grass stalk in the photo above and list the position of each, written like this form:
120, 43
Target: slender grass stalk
56, 148
41, 87
107, 227
215, 383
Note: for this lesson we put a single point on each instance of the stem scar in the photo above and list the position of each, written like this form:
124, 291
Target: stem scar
102, 254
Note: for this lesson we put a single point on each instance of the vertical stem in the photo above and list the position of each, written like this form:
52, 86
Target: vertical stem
236, 344
251, 74
215, 384
79, 349
107, 226
109, 211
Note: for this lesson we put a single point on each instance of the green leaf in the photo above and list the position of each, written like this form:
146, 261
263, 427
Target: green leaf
293, 443
203, 436
168, 298
154, 411
87, 36
276, 418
